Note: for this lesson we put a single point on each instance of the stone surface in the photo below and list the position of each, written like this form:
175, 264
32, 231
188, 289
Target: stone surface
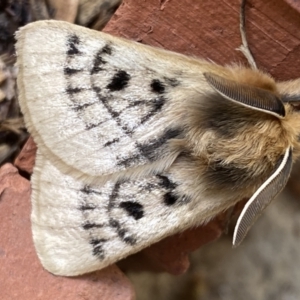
26, 158
22, 276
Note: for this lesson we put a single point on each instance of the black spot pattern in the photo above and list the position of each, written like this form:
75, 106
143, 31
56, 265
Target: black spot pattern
143, 151
157, 105
99, 60
129, 161
88, 190
134, 209
85, 207
126, 232
114, 195
122, 232
157, 86
71, 71
73, 43
119, 81
107, 49
87, 225
109, 143
166, 183
72, 91
98, 247
170, 199
151, 149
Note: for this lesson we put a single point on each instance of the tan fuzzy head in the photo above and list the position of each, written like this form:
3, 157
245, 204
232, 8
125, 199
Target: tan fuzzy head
241, 129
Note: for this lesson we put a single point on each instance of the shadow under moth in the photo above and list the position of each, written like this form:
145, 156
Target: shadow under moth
137, 143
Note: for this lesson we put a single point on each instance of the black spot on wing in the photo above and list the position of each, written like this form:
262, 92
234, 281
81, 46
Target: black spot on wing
71, 91
166, 183
114, 195
72, 44
150, 150
119, 81
87, 206
128, 161
98, 247
88, 190
157, 86
157, 105
93, 125
88, 225
71, 71
109, 143
83, 106
170, 198
98, 62
107, 49
97, 90
134, 209
114, 114
122, 232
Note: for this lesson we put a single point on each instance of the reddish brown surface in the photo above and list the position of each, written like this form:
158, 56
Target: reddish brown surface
203, 28
210, 29
26, 158
294, 3
22, 276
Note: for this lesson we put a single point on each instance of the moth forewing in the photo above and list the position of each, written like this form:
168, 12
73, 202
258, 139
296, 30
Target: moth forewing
86, 71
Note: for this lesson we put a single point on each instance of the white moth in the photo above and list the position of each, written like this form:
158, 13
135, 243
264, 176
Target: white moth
137, 143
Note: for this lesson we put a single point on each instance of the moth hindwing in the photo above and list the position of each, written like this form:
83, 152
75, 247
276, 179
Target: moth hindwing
130, 152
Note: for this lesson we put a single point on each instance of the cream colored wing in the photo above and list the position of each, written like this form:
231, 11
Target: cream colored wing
98, 105
79, 228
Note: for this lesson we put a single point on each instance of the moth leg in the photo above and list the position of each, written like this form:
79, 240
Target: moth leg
244, 48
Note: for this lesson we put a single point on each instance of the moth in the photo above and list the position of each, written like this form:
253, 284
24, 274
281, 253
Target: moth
136, 143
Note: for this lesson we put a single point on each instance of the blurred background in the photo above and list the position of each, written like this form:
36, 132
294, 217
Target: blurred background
265, 267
